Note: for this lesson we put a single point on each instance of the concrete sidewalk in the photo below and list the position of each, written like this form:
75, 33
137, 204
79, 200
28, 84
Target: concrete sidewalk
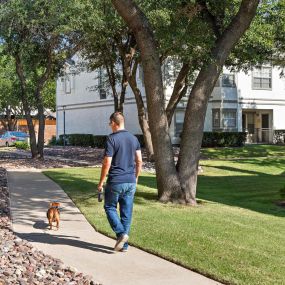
78, 244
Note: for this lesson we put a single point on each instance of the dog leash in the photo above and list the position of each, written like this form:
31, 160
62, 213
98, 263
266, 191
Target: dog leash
93, 195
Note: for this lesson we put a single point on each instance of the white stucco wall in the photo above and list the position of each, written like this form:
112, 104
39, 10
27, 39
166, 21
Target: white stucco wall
94, 119
271, 101
87, 113
244, 83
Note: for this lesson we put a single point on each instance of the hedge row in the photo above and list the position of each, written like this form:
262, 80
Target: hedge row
85, 140
210, 139
223, 139
279, 137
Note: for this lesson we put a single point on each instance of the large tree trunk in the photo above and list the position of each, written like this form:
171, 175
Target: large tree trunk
27, 111
41, 133
31, 128
167, 178
197, 105
170, 184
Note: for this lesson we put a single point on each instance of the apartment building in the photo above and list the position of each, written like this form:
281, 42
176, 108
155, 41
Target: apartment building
253, 102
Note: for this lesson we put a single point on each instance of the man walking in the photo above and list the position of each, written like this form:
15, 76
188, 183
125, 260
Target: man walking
122, 162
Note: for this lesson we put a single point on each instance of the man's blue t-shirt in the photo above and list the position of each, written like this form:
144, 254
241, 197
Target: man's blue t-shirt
122, 146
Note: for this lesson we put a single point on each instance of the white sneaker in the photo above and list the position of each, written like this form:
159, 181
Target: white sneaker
124, 250
120, 242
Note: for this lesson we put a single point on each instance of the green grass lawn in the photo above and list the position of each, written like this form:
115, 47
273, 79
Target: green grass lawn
246, 151
235, 235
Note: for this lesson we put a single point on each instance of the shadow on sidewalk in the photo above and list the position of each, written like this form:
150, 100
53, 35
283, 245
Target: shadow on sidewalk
64, 240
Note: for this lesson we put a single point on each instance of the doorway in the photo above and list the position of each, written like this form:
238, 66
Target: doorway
265, 128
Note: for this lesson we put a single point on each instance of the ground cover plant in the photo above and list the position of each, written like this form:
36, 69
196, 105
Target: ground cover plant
236, 234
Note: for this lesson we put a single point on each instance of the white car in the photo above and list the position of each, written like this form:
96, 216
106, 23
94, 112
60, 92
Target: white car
9, 138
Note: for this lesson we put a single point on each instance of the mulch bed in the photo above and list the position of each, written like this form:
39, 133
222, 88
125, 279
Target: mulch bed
69, 156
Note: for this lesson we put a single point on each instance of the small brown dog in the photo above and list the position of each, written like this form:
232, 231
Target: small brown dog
53, 214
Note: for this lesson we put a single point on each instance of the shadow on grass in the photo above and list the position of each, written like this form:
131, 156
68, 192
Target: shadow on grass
255, 191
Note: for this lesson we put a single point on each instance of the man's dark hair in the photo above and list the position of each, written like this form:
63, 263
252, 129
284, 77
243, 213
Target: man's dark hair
118, 118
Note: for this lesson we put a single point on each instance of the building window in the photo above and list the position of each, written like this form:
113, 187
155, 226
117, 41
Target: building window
67, 85
228, 80
229, 118
102, 91
224, 119
216, 118
61, 84
103, 94
262, 78
179, 120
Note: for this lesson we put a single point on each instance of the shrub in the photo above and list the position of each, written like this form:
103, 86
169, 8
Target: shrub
279, 136
81, 140
77, 140
99, 141
52, 141
22, 145
223, 139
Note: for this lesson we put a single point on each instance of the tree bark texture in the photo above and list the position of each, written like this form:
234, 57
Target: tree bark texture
167, 178
111, 75
181, 184
179, 90
131, 75
27, 111
124, 85
130, 71
142, 114
197, 104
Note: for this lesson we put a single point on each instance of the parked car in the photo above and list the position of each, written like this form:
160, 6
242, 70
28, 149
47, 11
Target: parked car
9, 138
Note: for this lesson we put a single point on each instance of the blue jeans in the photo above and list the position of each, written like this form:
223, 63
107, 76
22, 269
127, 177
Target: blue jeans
124, 195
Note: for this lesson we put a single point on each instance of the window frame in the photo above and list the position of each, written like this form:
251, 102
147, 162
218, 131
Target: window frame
228, 86
253, 77
222, 118
67, 79
175, 123
218, 111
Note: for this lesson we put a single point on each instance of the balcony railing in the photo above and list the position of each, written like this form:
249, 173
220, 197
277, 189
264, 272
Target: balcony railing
259, 135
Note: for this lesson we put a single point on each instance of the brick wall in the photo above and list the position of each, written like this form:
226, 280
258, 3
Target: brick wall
50, 128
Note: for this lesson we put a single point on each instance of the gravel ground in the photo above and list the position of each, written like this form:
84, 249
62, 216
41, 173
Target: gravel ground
58, 156
21, 263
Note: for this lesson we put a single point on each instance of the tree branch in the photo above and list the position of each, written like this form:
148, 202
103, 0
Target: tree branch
212, 20
178, 92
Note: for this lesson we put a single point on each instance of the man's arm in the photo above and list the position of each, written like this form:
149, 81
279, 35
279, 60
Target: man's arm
138, 163
104, 171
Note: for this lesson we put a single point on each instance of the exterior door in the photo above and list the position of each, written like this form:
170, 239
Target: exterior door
265, 128
244, 122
